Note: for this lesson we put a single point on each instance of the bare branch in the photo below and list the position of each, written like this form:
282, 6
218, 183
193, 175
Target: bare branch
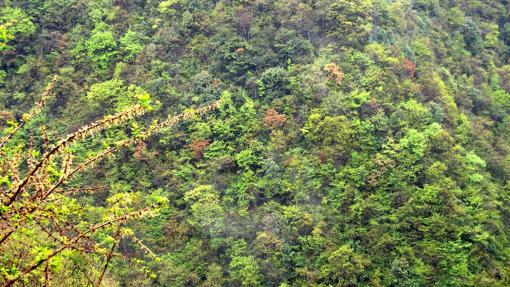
35, 111
109, 256
81, 133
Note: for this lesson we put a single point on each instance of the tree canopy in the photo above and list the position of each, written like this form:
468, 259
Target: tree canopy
254, 143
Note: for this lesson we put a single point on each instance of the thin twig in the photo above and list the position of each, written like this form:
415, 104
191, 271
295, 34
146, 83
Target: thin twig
38, 108
109, 256
63, 247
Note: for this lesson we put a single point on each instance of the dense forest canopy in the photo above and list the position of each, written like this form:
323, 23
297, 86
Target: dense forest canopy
255, 143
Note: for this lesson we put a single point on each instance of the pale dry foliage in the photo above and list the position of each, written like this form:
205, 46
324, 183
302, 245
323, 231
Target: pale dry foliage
334, 73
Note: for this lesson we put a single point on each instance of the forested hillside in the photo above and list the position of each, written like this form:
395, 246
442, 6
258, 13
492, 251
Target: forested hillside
255, 143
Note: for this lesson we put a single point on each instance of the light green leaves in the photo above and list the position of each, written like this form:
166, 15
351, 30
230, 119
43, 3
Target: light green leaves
205, 206
113, 94
168, 6
14, 23
131, 45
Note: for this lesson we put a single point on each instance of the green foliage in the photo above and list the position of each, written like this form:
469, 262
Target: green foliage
273, 83
349, 21
14, 24
355, 143
131, 45
232, 58
168, 6
205, 206
344, 267
101, 10
114, 95
328, 132
244, 269
101, 47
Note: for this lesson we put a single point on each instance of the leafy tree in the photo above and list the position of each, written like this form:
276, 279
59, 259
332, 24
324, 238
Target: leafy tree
244, 268
347, 21
15, 24
205, 207
344, 267
168, 6
115, 94
131, 45
101, 47
273, 83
